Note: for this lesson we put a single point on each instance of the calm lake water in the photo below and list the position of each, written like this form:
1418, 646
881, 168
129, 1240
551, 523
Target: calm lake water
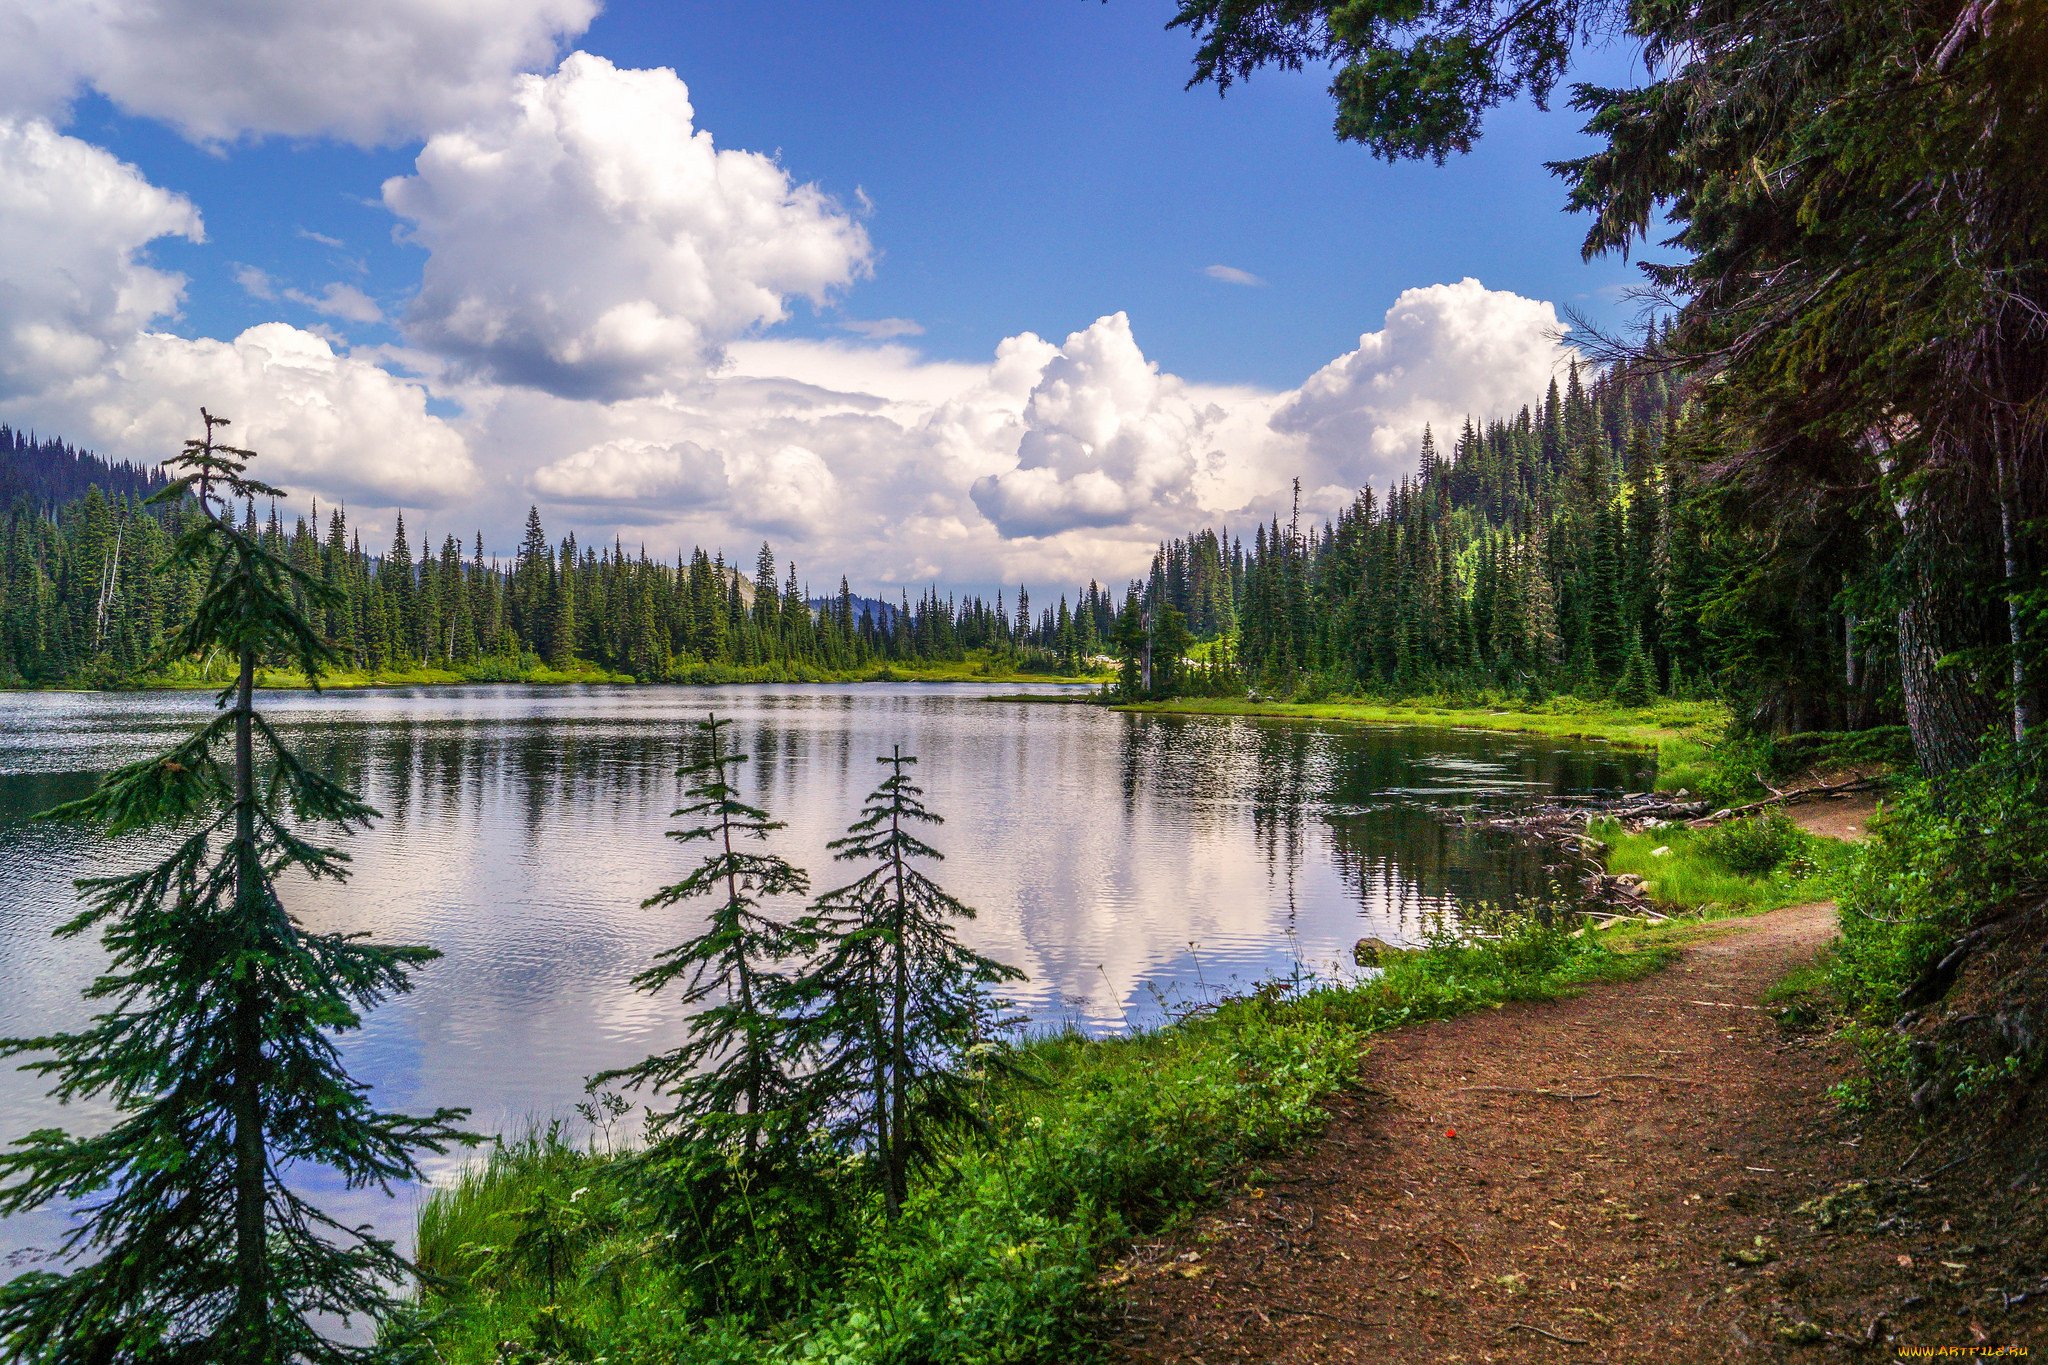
1128, 863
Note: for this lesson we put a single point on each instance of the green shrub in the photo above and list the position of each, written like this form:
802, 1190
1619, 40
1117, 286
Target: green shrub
1942, 853
1682, 869
1755, 847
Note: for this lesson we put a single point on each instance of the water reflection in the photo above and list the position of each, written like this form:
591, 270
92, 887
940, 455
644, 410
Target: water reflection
1119, 860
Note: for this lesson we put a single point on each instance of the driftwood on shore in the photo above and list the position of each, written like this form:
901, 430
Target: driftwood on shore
1557, 828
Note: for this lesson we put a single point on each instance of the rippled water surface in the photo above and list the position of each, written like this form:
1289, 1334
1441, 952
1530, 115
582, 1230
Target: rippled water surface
1125, 862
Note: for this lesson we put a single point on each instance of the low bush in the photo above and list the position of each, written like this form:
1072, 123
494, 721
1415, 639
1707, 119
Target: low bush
1940, 963
1755, 847
1943, 854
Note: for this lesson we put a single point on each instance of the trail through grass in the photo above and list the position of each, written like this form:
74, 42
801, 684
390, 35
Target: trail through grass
547, 1249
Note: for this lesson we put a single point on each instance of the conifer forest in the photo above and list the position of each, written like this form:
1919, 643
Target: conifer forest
1573, 547
937, 844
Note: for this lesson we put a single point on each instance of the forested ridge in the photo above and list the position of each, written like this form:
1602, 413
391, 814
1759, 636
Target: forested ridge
1578, 546
89, 594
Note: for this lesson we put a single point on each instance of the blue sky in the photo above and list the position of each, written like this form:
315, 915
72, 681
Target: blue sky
994, 169
1031, 163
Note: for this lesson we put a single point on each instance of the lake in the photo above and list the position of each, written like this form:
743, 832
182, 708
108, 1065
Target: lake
1130, 864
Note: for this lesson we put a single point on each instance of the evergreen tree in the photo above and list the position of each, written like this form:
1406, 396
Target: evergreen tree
731, 1078
216, 1044
1131, 642
562, 623
1170, 641
900, 999
1638, 683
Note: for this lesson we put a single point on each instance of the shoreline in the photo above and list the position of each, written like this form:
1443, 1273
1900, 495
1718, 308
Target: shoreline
1198, 1103
1680, 733
285, 681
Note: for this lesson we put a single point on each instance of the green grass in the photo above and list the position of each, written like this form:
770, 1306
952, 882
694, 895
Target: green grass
979, 667
1683, 733
1695, 872
488, 671
1001, 1256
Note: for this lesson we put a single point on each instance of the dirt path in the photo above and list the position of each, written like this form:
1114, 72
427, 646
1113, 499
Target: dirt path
1612, 1178
1839, 817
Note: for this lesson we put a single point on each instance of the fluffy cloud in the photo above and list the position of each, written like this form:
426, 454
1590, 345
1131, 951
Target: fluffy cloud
72, 285
1106, 435
596, 268
1444, 353
75, 298
631, 470
371, 71
791, 489
323, 422
874, 460
587, 240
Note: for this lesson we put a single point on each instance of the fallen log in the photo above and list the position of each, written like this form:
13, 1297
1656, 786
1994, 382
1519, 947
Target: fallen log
1778, 798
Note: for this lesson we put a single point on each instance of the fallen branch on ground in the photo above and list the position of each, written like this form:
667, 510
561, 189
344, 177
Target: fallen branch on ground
1853, 784
1546, 1332
1290, 1310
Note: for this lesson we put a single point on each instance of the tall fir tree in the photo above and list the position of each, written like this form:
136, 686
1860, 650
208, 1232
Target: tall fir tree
215, 1044
730, 1080
898, 998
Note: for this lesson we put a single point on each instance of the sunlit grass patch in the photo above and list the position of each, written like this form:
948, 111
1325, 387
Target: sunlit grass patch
1713, 870
1686, 727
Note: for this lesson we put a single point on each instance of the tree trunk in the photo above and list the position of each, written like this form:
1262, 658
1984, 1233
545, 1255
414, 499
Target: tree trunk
1945, 710
252, 1289
898, 1157
1145, 658
1853, 709
2013, 561
1948, 709
879, 1078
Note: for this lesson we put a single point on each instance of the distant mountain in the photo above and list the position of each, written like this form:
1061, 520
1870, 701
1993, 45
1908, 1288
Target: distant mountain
48, 472
882, 613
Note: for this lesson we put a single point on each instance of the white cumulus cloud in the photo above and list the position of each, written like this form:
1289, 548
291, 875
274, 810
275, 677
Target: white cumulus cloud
586, 239
74, 223
866, 459
789, 489
1106, 436
630, 469
76, 356
1444, 352
323, 423
371, 71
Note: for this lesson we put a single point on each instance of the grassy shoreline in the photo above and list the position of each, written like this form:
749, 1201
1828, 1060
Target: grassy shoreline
1681, 733
534, 674
1008, 1256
